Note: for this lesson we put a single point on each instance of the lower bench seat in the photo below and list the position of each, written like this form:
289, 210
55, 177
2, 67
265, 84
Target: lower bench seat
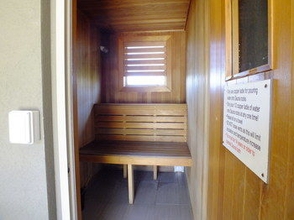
139, 134
137, 153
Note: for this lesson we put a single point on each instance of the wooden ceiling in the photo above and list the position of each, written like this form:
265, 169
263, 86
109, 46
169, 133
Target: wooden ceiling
137, 15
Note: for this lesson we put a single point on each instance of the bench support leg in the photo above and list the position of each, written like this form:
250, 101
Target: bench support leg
131, 183
125, 171
155, 172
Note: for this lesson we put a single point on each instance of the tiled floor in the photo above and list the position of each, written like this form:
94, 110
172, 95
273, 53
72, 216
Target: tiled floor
164, 199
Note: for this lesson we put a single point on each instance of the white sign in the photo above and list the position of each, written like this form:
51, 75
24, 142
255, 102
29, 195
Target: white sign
246, 126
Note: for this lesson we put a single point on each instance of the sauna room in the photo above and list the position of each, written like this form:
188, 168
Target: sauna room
72, 65
130, 63
148, 88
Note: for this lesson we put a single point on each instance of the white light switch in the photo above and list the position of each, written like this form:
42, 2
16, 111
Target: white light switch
24, 127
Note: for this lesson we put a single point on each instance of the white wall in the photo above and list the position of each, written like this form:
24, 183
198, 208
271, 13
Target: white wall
26, 171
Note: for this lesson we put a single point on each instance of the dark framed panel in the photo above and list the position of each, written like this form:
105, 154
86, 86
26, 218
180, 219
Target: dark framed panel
249, 37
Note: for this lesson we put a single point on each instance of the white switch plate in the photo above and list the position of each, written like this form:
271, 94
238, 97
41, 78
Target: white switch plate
24, 127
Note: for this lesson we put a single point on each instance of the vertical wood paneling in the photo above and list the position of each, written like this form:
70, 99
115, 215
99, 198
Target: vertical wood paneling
220, 163
111, 89
252, 196
234, 192
290, 171
88, 80
197, 90
274, 195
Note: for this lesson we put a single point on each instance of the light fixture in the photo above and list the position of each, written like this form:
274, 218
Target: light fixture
103, 49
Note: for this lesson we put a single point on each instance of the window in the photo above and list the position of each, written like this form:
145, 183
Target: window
144, 63
253, 34
249, 38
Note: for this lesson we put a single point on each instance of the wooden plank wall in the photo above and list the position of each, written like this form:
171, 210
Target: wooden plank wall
233, 191
131, 16
197, 73
87, 70
110, 90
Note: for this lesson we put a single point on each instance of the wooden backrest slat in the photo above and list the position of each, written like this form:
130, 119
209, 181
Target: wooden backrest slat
141, 122
140, 138
140, 125
139, 118
162, 132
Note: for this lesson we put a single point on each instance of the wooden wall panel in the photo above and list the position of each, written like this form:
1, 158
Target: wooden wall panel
197, 90
87, 70
290, 171
110, 74
233, 191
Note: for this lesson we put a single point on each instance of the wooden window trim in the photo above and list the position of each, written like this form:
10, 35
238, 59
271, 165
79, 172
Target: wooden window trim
232, 41
124, 39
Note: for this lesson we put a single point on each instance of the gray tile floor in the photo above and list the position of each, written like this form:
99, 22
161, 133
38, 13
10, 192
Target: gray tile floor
164, 199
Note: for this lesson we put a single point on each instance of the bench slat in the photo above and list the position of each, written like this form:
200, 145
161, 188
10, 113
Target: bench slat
117, 118
141, 138
143, 125
123, 110
137, 153
133, 131
135, 160
141, 109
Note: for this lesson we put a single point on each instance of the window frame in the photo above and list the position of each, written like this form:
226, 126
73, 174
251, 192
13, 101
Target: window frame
232, 42
126, 39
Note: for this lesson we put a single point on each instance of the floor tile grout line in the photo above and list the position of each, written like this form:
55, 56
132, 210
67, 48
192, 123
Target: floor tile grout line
176, 180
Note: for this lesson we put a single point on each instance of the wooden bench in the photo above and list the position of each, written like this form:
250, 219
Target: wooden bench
139, 134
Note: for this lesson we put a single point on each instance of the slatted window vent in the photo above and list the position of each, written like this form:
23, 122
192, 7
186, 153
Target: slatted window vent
145, 64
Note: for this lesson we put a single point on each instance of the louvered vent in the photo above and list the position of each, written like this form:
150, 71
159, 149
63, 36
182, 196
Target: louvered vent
145, 64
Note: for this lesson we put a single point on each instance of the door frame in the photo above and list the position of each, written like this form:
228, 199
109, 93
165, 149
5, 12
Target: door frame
62, 109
